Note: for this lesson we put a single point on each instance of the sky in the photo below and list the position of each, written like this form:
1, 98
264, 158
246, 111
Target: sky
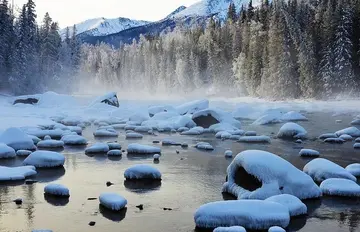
69, 12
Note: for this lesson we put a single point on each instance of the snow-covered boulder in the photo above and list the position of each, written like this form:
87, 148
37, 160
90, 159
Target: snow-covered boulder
109, 99
354, 169
251, 214
55, 134
6, 151
169, 142
16, 173
295, 206
309, 153
334, 140
357, 146
72, 121
17, 139
340, 187
257, 174
192, 107
228, 154
97, 148
230, 229
204, 146
255, 139
223, 135
328, 136
182, 129
250, 133
293, 116
142, 149
74, 140
352, 131
142, 129
114, 153
346, 137
142, 172
23, 152
134, 135
292, 130
112, 201
276, 229
45, 159
208, 117
268, 119
114, 146
321, 169
156, 157
34, 139
356, 122
158, 109
194, 131
57, 190
50, 143
357, 140
224, 126
106, 133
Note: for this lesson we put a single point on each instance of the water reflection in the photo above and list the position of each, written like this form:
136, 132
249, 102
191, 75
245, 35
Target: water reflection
115, 216
49, 174
56, 201
142, 186
114, 158
139, 156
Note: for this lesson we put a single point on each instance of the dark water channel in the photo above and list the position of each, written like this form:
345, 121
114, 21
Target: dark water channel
190, 179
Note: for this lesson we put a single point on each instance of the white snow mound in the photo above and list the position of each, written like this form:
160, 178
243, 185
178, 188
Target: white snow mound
230, 229
97, 148
276, 229
114, 153
354, 169
17, 139
292, 130
74, 140
142, 171
45, 159
192, 107
204, 146
142, 149
6, 151
57, 190
16, 173
295, 206
340, 187
23, 153
309, 153
293, 116
112, 201
50, 144
255, 139
352, 131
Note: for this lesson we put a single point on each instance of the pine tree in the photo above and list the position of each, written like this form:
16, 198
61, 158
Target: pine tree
231, 15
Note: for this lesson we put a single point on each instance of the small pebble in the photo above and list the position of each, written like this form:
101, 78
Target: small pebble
92, 198
18, 201
109, 184
156, 142
177, 152
141, 206
167, 209
92, 223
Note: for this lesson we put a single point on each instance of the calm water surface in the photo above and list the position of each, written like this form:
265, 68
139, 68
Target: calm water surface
190, 179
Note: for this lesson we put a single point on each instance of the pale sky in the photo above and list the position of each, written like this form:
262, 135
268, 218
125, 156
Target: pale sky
69, 12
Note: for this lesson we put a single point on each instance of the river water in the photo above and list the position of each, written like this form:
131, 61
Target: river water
190, 179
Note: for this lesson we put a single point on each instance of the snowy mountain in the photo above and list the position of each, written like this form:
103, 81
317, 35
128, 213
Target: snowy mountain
178, 10
103, 26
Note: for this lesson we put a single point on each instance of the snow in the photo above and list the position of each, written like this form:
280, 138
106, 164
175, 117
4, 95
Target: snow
45, 159
23, 152
194, 131
218, 114
292, 130
192, 107
153, 110
321, 169
251, 214
204, 146
114, 153
357, 140
340, 187
293, 117
34, 139
142, 149
334, 140
134, 135
6, 151
352, 131
223, 135
182, 129
223, 127
97, 148
156, 157
57, 190
112, 201
276, 229
268, 119
16, 173
250, 133
142, 171
228, 154
295, 206
327, 136
230, 229
354, 169
142, 128
106, 133
309, 152
277, 176
114, 146
72, 121
356, 122
50, 144
74, 140
169, 142
357, 146
346, 137
17, 139
255, 139
57, 133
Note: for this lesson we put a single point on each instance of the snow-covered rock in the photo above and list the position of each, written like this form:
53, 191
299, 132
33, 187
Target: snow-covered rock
211, 116
354, 169
230, 229
352, 131
55, 134
250, 133
16, 173
114, 146
142, 128
182, 129
194, 131
112, 201
357, 140
356, 122
235, 137
156, 157
346, 137
309, 153
158, 109
106, 133
255, 139
340, 187
223, 135
252, 214
142, 171
23, 152
72, 121
264, 174
292, 130
6, 151
17, 139
34, 139
192, 107
276, 229
334, 140
204, 146
223, 126
57, 190
134, 135
321, 169
114, 153
357, 146
74, 140
50, 143
293, 116
169, 142
97, 148
109, 99
228, 154
45, 159
142, 149
295, 206
328, 136
268, 119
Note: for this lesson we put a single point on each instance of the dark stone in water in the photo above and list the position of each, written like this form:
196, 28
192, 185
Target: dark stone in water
30, 182
92, 198
123, 151
156, 142
18, 201
29, 101
205, 121
108, 184
184, 145
141, 206
182, 159
92, 223
177, 152
169, 209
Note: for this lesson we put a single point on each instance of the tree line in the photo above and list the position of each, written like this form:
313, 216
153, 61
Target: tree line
34, 58
281, 49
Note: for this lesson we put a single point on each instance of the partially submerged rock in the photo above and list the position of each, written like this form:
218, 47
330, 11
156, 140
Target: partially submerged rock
340, 187
17, 139
112, 201
309, 153
58, 190
142, 149
204, 146
294, 204
142, 172
97, 148
334, 140
74, 140
26, 100
208, 117
6, 151
230, 229
45, 159
292, 130
354, 169
352, 131
255, 139
328, 136
16, 173
109, 99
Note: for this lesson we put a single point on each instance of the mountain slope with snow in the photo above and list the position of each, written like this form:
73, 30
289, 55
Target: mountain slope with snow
103, 26
178, 10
